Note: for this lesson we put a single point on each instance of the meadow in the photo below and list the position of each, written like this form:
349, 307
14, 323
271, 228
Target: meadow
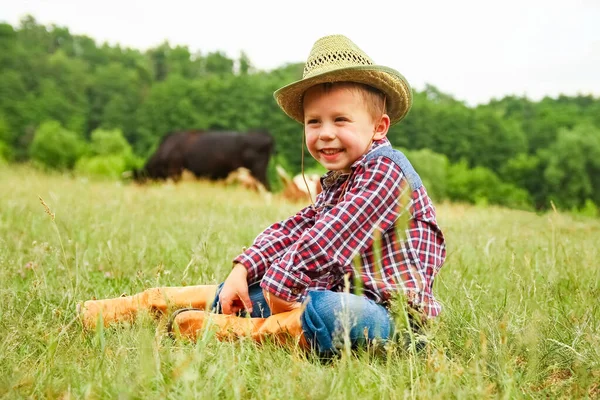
520, 291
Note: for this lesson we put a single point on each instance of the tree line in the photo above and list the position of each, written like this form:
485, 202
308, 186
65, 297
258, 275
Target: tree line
67, 102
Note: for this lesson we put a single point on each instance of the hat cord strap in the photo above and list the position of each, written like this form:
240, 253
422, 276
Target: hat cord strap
312, 203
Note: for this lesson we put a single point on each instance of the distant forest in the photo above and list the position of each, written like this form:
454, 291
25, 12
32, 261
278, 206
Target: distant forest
67, 102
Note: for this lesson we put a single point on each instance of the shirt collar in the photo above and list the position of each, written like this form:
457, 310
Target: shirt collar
331, 177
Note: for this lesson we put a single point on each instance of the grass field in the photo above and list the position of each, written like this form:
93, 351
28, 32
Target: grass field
520, 291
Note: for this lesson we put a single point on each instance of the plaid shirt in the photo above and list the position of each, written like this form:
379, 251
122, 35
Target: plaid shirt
353, 229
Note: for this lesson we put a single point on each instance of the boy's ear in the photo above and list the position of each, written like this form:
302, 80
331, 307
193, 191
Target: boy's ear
382, 127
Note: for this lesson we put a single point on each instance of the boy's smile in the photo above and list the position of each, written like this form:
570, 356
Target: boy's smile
339, 128
330, 154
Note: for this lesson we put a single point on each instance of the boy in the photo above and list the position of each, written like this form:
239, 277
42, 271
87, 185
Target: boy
293, 280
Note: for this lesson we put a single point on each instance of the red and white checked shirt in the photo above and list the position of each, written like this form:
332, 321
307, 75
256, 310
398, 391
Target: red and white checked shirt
355, 230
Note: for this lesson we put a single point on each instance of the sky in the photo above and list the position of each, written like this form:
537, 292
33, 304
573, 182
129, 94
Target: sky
472, 50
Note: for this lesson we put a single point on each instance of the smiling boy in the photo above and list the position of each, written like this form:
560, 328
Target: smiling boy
346, 104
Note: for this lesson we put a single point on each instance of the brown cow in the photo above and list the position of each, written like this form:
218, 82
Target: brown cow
209, 154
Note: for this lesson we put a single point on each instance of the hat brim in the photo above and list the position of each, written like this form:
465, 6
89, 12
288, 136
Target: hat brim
388, 80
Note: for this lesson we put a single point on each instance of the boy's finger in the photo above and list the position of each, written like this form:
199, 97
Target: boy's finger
245, 299
226, 306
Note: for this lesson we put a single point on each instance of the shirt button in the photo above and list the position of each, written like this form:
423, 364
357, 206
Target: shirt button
295, 291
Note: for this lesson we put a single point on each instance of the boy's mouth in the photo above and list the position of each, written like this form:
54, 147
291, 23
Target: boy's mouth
331, 152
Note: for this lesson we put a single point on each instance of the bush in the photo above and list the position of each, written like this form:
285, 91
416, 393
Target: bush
105, 142
56, 147
589, 209
110, 155
433, 170
111, 166
481, 186
5, 153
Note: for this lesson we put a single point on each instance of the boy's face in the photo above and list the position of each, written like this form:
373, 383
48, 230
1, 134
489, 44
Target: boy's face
339, 128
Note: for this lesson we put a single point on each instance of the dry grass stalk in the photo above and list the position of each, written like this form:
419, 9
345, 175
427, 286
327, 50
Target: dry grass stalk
50, 213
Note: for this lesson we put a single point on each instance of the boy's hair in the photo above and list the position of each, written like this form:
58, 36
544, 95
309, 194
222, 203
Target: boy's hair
374, 99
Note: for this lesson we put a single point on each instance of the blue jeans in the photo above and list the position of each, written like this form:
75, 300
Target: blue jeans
329, 317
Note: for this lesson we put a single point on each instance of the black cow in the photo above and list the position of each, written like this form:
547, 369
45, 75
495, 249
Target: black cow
209, 154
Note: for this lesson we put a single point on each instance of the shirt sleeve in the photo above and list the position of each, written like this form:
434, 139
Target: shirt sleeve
370, 203
273, 242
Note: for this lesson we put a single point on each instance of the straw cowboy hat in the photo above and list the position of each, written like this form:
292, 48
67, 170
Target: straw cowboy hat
336, 58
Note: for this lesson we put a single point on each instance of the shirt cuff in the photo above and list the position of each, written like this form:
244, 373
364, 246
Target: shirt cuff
252, 260
285, 284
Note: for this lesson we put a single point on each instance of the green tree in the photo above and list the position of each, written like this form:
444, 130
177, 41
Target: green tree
15, 108
573, 169
167, 108
5, 149
218, 63
158, 58
527, 171
245, 65
8, 47
114, 94
62, 92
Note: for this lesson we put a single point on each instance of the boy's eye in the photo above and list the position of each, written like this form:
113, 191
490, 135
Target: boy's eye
341, 119
312, 121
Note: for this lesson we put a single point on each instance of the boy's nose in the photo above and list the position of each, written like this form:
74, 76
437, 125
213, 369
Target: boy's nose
327, 133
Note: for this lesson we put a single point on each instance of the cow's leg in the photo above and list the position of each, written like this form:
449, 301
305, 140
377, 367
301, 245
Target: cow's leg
154, 300
259, 171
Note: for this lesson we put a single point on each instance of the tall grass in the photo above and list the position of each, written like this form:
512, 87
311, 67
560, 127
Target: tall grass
520, 320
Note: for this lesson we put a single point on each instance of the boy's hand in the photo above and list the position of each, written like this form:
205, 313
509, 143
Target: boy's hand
278, 305
234, 294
